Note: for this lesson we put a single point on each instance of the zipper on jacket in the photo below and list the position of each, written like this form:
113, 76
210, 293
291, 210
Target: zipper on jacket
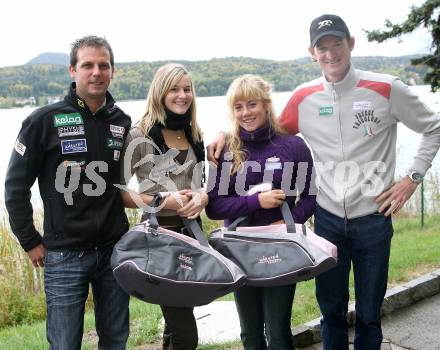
345, 211
95, 155
335, 97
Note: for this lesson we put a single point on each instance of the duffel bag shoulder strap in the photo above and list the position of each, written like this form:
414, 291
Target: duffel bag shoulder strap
152, 219
193, 227
287, 217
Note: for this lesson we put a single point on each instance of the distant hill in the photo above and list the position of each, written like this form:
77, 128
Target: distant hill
51, 58
47, 82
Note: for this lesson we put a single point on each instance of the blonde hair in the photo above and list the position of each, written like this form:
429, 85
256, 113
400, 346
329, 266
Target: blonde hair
165, 78
244, 88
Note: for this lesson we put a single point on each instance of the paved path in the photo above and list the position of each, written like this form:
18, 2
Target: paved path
411, 321
416, 327
217, 322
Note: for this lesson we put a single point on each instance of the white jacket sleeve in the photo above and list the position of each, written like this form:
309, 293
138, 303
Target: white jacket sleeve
407, 108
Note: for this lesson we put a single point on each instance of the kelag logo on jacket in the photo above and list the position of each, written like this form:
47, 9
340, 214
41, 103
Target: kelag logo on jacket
67, 119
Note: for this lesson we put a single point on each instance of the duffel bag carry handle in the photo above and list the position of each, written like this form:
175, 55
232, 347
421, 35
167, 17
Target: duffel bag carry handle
191, 225
287, 217
152, 219
194, 228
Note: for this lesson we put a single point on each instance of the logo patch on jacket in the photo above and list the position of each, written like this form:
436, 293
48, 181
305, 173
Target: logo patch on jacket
73, 164
273, 163
117, 131
114, 143
366, 121
365, 117
72, 130
20, 148
67, 119
361, 105
73, 146
323, 111
116, 155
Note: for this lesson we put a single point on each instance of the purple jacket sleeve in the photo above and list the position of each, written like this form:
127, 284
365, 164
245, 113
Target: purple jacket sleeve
224, 203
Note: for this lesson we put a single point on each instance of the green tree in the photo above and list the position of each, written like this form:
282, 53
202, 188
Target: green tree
211, 77
54, 88
427, 15
21, 90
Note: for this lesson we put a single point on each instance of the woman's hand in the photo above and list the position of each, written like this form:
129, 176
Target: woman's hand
271, 199
176, 200
215, 148
197, 202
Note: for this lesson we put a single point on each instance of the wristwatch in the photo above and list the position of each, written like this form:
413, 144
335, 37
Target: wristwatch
415, 177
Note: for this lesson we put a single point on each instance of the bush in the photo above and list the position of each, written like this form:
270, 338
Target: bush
18, 307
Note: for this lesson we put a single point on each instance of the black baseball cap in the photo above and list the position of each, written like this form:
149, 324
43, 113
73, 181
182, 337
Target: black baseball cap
327, 25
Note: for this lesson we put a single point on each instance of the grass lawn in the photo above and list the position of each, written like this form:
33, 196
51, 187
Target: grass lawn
415, 251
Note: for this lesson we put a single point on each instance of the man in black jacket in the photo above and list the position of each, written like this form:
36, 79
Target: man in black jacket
73, 147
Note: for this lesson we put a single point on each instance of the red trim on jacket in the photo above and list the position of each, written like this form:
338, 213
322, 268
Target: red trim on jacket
383, 89
289, 117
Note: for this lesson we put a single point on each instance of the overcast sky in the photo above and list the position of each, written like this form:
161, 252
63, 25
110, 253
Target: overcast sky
149, 30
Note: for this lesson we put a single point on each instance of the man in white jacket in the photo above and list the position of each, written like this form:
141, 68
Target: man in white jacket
349, 118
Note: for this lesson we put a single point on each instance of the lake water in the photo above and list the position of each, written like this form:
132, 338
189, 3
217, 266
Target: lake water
212, 116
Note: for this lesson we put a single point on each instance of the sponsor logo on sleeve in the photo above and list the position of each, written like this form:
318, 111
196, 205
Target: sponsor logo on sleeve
115, 143
73, 146
117, 131
324, 111
67, 119
20, 148
72, 130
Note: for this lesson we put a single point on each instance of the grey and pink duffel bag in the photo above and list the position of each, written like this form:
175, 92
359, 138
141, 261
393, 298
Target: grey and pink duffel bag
163, 267
275, 255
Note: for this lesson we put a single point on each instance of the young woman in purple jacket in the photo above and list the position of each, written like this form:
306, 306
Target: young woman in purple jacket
258, 152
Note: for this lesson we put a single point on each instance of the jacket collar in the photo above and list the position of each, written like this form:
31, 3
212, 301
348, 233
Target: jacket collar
263, 134
350, 81
80, 103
